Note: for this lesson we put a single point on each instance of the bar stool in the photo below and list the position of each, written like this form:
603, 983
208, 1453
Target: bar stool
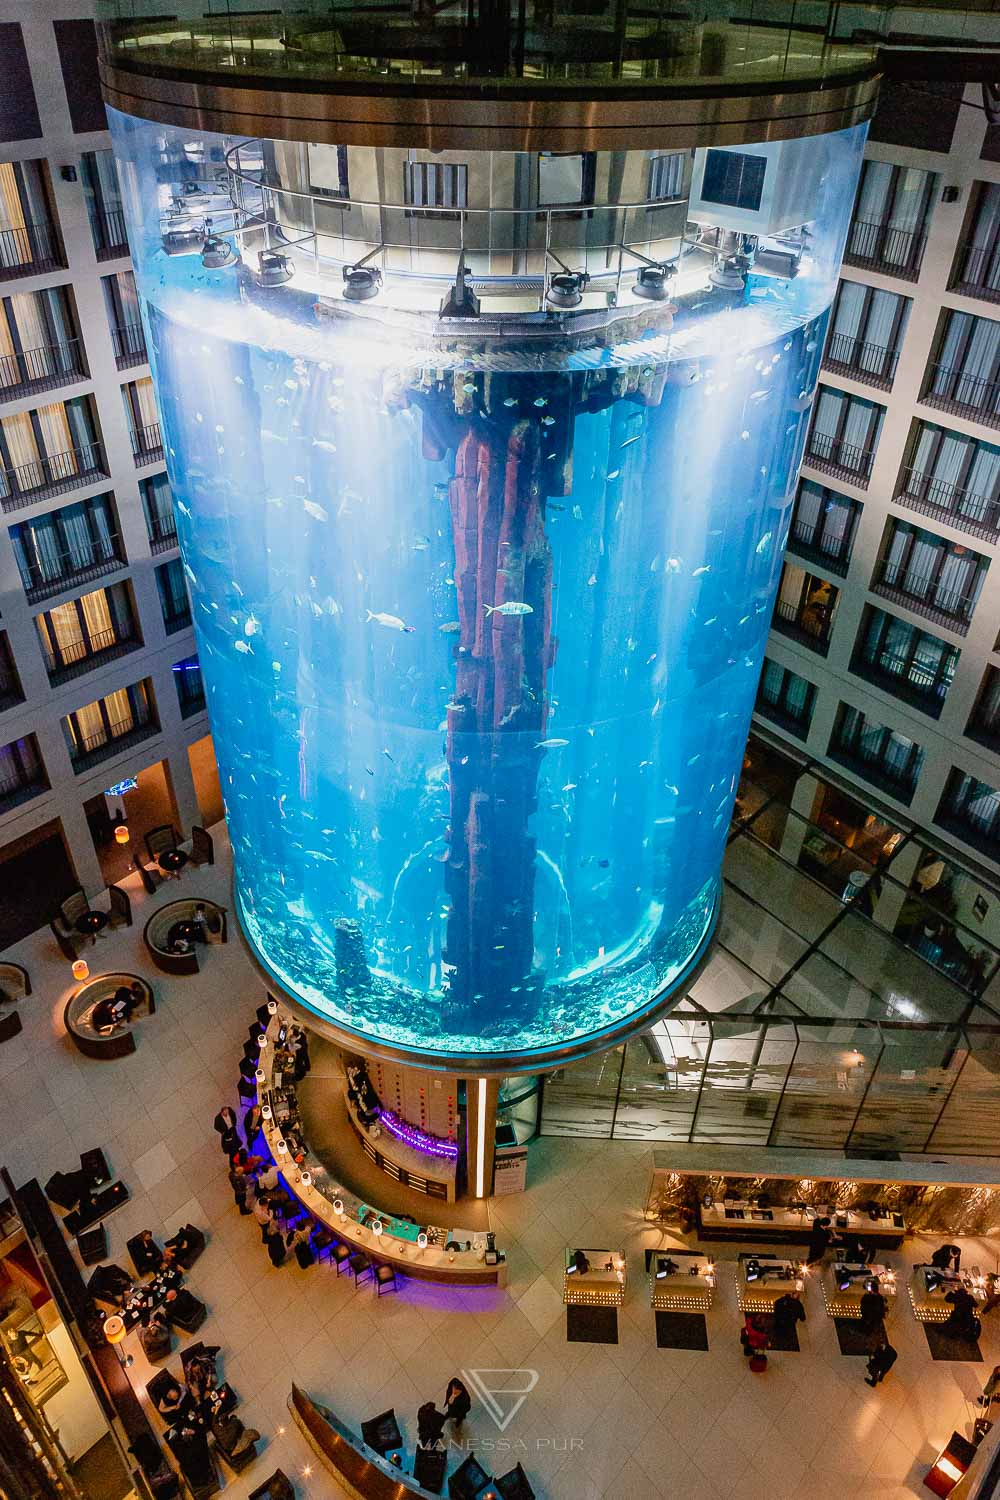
341, 1256
385, 1279
360, 1265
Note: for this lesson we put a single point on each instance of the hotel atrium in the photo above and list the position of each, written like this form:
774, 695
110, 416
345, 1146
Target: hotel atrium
499, 522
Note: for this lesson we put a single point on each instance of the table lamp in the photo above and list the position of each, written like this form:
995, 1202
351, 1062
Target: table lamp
81, 968
121, 834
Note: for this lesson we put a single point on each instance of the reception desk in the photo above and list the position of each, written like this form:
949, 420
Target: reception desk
455, 1256
740, 1220
762, 1279
602, 1285
929, 1290
680, 1281
845, 1301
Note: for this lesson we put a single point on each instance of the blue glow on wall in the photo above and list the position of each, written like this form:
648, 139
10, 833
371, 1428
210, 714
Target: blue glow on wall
480, 639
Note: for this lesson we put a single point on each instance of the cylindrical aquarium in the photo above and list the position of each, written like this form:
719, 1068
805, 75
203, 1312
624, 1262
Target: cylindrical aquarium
483, 467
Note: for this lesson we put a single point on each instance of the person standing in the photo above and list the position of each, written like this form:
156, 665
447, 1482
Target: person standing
788, 1311
880, 1362
457, 1402
962, 1322
947, 1258
873, 1309
225, 1123
820, 1239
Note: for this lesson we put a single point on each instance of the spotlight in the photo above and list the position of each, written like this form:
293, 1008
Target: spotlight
729, 273
565, 289
651, 281
361, 283
274, 269
461, 301
216, 253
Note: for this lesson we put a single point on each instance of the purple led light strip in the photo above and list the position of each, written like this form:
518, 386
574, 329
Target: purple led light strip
418, 1139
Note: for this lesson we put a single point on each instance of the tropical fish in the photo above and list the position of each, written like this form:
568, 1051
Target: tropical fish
630, 440
553, 744
391, 622
510, 401
745, 435
509, 607
314, 510
452, 628
540, 401
699, 571
440, 492
252, 625
243, 647
577, 513
591, 580
421, 543
569, 787
762, 543
614, 473
548, 421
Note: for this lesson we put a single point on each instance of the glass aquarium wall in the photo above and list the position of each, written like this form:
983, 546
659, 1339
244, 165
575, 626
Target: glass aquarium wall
480, 606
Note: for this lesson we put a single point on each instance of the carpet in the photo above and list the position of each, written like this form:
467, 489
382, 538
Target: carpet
944, 1346
677, 1330
592, 1325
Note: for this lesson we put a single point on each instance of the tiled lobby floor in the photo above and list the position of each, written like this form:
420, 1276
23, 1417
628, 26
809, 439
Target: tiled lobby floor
624, 1422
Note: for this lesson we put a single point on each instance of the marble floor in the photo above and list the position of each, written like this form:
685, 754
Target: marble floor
617, 1422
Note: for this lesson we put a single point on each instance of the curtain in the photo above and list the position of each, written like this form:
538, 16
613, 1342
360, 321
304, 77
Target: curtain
79, 545
770, 681
988, 709
173, 592
119, 707
836, 524
953, 590
57, 439
117, 598
38, 552
102, 525
861, 431
792, 582
145, 401
849, 314
828, 410
97, 619
159, 503
797, 691
90, 726
808, 511
64, 630
27, 312
897, 755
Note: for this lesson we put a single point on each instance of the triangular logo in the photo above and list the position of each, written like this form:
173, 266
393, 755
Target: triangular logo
502, 1392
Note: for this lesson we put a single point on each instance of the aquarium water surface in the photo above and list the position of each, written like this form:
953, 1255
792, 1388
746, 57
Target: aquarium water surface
480, 635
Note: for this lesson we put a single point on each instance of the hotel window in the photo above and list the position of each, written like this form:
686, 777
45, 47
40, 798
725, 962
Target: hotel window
866, 331
29, 242
435, 184
158, 508
786, 698
22, 772
566, 179
666, 177
67, 546
891, 214
984, 722
104, 204
953, 478
971, 809
101, 726
121, 303
143, 418
823, 525
97, 624
844, 435
805, 608
977, 263
965, 375
189, 685
39, 345
11, 691
904, 660
174, 601
930, 575
49, 449
881, 755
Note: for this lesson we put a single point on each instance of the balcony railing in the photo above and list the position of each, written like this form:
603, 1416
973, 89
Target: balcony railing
961, 508
812, 631
30, 250
899, 782
147, 444
191, 704
978, 273
912, 590
893, 252
162, 538
979, 833
950, 389
984, 730
873, 364
13, 793
110, 236
82, 656
105, 556
53, 475
780, 715
836, 559
129, 340
921, 689
102, 746
834, 456
11, 691
173, 623
40, 369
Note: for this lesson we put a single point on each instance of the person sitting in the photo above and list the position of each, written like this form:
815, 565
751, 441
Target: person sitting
107, 1014
873, 1309
788, 1311
430, 1424
457, 1402
199, 923
154, 1333
962, 1322
231, 1435
268, 1179
181, 1245
171, 1402
947, 1258
579, 1262
146, 1253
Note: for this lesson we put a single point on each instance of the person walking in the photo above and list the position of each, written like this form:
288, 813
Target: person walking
880, 1362
873, 1310
821, 1237
788, 1311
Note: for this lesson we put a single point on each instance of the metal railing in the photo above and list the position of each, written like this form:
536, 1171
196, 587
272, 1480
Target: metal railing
105, 556
147, 444
794, 622
961, 508
951, 389
873, 364
192, 703
918, 593
107, 225
25, 484
977, 273
29, 250
879, 247
108, 742
900, 782
80, 656
834, 456
979, 833
162, 538
175, 622
984, 730
11, 691
14, 791
774, 709
129, 340
802, 540
40, 369
909, 683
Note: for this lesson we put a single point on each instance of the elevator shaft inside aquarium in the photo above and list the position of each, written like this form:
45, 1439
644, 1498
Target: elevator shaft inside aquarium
480, 617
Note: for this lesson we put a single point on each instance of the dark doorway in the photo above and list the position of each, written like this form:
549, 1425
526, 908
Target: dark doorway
35, 875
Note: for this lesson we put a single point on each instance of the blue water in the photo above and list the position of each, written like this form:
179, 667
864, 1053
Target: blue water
456, 829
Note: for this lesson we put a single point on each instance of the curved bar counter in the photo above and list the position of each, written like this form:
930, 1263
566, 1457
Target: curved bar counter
310, 1182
